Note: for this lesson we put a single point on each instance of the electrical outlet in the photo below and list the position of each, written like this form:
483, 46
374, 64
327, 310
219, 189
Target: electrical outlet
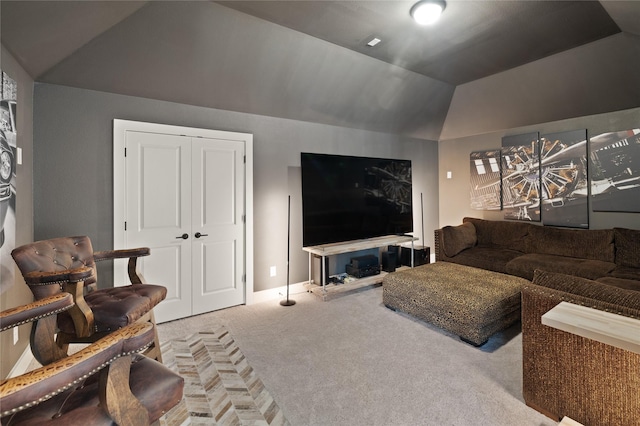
16, 335
272, 271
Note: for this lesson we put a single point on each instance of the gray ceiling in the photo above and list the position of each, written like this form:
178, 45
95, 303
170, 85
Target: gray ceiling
90, 44
472, 40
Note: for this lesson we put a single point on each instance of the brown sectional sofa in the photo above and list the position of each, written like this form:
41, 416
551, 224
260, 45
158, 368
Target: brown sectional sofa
563, 374
610, 256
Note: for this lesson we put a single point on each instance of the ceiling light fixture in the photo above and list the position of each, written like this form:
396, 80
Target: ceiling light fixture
427, 12
373, 42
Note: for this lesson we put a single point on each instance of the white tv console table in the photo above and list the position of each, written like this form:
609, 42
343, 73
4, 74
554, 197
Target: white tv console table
333, 249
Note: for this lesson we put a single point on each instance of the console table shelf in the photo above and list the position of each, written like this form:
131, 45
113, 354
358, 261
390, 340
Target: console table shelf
326, 250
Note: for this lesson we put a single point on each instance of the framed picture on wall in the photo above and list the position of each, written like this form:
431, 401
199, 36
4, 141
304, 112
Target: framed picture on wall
563, 171
615, 171
521, 177
8, 150
485, 180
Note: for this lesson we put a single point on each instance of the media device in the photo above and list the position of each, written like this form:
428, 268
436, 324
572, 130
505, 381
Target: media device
347, 198
363, 266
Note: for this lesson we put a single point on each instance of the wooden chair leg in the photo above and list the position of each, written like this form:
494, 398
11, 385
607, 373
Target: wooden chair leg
63, 340
116, 397
153, 351
43, 345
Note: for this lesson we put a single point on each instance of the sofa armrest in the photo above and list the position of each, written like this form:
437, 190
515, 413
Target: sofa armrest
568, 375
583, 291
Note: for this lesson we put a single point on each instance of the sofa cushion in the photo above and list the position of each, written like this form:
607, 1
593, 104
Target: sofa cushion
626, 273
588, 288
500, 234
491, 259
627, 247
579, 243
525, 265
624, 283
457, 238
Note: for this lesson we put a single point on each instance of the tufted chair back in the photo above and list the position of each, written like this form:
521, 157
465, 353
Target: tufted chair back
68, 265
56, 255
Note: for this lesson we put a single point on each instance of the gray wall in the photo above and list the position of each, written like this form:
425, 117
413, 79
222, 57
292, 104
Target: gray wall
454, 157
13, 291
73, 189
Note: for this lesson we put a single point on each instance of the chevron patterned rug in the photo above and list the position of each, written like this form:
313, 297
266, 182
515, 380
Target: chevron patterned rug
220, 386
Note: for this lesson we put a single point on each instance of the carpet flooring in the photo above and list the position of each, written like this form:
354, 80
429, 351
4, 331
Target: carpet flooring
351, 361
221, 388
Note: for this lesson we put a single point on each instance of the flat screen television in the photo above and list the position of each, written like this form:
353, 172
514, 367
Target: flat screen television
347, 198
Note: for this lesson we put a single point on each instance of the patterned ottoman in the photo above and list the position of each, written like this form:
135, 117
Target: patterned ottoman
469, 302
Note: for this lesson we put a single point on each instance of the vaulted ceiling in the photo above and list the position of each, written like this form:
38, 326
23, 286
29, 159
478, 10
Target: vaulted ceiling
305, 60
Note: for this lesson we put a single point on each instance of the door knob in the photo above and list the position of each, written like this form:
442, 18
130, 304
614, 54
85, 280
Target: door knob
183, 236
198, 235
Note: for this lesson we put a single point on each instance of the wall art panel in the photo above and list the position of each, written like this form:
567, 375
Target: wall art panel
565, 188
485, 180
615, 171
521, 177
8, 151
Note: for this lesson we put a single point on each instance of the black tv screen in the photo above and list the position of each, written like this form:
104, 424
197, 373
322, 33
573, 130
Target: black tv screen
347, 198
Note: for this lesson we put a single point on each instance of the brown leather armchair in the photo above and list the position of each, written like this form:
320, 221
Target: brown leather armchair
105, 383
68, 265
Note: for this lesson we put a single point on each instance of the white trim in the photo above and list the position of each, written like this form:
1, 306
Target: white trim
23, 363
120, 127
248, 184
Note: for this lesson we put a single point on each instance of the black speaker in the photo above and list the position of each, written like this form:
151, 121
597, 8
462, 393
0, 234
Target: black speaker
421, 255
389, 260
396, 250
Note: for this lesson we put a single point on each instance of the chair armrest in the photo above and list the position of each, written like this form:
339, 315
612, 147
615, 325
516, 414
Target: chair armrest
132, 268
58, 277
34, 311
43, 383
121, 254
71, 281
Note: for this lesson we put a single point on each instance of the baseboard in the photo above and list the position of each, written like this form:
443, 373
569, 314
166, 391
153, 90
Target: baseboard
22, 366
277, 293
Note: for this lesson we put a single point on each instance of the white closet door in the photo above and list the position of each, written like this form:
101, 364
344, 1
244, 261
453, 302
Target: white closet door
158, 205
186, 194
217, 223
